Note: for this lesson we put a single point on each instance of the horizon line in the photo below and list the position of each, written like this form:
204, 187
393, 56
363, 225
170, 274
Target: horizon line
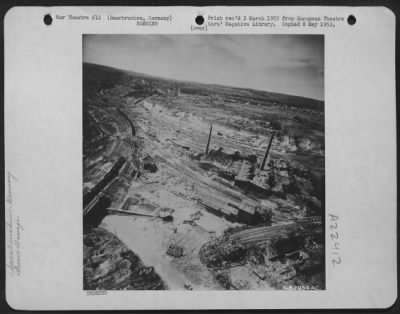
201, 83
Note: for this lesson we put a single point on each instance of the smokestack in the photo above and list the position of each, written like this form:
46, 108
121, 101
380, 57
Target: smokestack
209, 139
267, 152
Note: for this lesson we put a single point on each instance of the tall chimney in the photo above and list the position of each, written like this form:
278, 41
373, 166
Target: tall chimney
267, 152
209, 139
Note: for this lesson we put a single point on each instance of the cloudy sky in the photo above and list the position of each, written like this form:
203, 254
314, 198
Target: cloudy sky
290, 64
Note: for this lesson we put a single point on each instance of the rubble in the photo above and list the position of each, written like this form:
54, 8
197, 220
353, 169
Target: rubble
109, 265
149, 164
175, 251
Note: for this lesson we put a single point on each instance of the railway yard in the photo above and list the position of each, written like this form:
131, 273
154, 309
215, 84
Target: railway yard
200, 187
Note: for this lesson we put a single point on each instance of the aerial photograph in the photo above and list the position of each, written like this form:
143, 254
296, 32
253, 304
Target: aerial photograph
203, 162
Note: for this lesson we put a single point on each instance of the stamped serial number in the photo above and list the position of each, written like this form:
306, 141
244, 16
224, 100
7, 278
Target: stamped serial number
300, 288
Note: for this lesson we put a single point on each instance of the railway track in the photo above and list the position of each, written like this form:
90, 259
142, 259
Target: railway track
133, 131
259, 230
257, 235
